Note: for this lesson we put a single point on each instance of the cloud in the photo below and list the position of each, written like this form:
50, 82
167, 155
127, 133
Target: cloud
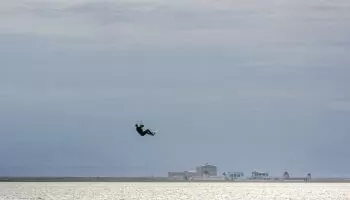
123, 23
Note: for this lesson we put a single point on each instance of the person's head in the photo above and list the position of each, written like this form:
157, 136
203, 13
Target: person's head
136, 125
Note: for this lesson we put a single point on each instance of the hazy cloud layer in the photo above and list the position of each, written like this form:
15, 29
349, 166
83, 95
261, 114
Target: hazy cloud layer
244, 85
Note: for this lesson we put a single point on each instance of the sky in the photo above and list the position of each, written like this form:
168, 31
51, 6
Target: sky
244, 85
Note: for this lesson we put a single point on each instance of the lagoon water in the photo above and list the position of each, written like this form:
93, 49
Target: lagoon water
174, 191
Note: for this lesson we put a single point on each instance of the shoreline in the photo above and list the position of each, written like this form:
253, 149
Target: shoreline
162, 179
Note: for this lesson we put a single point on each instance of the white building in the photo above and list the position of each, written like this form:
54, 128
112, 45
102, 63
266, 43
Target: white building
182, 175
207, 170
233, 175
260, 175
204, 171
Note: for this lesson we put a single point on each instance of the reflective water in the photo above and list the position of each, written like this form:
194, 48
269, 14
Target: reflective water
175, 191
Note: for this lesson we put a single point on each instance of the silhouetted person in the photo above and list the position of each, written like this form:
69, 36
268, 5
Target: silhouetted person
142, 132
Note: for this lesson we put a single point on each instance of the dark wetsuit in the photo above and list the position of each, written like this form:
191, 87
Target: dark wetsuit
139, 129
147, 131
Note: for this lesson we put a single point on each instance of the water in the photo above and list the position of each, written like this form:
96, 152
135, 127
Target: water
174, 191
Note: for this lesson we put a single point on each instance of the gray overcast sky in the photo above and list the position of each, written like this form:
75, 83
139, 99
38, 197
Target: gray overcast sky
241, 84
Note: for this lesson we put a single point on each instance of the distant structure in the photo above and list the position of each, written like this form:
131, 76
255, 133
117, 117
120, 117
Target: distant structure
260, 175
207, 170
308, 177
204, 171
233, 175
286, 175
185, 175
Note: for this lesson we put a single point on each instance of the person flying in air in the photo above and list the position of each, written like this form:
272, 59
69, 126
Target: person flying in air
139, 129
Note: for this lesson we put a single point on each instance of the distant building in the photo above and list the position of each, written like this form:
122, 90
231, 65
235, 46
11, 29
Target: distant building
185, 175
207, 170
204, 171
286, 175
233, 175
260, 175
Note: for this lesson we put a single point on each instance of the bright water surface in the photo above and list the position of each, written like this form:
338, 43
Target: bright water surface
174, 191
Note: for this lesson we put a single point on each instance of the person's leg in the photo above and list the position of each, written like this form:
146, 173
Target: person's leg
149, 132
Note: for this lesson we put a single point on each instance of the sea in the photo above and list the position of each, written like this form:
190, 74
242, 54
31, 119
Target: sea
172, 191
